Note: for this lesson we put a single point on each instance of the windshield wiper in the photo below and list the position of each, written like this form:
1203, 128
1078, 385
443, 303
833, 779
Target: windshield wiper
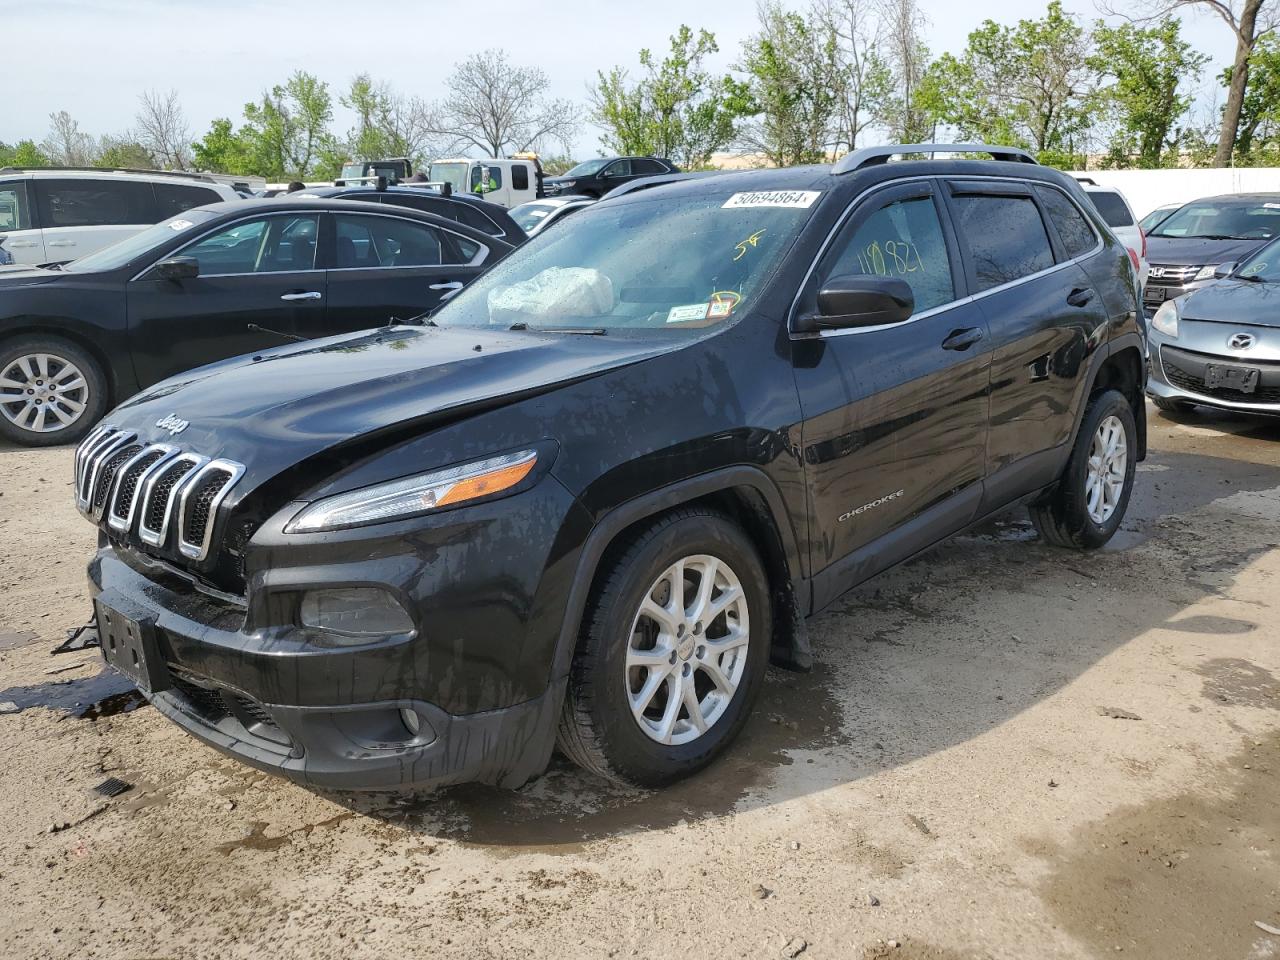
1211, 236
584, 331
275, 333
1252, 278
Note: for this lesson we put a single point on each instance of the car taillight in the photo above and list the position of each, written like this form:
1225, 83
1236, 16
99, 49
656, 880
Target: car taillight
1133, 257
1143, 234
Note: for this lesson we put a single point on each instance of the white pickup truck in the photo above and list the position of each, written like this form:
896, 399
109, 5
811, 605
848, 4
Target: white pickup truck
509, 182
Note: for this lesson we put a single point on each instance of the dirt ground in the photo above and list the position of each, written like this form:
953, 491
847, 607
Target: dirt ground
1004, 751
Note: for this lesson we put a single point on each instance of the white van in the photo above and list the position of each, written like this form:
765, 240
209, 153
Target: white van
55, 214
509, 182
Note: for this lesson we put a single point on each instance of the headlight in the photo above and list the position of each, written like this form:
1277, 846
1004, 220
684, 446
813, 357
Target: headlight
414, 495
1166, 319
1206, 273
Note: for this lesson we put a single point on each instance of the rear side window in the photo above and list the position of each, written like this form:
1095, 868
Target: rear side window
476, 219
174, 198
94, 203
367, 242
1112, 207
1077, 236
15, 212
519, 178
1005, 236
902, 239
642, 165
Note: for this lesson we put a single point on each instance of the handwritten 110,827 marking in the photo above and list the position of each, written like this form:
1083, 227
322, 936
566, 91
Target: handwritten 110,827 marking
895, 258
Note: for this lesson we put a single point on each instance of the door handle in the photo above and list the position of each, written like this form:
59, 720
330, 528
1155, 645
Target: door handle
14, 244
303, 295
963, 339
61, 243
1080, 296
453, 286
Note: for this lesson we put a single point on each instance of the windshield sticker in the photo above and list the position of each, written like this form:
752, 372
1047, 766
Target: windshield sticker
180, 224
800, 199
719, 309
1253, 269
751, 241
688, 313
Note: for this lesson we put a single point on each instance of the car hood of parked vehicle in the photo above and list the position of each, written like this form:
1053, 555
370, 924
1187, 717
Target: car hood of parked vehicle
1251, 302
1177, 251
272, 410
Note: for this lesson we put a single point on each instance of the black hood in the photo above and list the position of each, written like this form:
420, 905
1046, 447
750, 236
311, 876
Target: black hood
274, 410
20, 276
1236, 301
1179, 251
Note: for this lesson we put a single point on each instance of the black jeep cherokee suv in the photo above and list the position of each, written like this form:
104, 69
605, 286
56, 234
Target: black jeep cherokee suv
592, 499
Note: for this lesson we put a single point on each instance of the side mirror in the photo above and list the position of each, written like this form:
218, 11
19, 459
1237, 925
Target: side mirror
861, 300
179, 268
1224, 270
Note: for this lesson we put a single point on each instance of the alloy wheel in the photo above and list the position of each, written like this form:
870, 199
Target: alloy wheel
687, 649
1107, 470
42, 392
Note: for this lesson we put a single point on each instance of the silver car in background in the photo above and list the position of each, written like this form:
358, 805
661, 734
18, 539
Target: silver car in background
1220, 345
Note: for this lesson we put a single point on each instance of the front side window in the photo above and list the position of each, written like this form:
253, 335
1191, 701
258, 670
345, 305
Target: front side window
15, 214
587, 168
95, 203
482, 184
1077, 236
1005, 235
369, 242
519, 178
674, 265
279, 244
173, 198
902, 239
621, 168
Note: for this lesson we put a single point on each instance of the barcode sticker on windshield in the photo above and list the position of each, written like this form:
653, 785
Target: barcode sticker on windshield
801, 199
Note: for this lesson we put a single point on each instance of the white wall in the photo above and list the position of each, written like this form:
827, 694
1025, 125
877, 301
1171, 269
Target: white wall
1147, 189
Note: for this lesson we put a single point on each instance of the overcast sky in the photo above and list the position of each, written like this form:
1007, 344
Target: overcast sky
93, 57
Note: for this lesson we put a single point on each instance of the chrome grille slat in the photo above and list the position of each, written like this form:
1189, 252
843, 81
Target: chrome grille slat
169, 498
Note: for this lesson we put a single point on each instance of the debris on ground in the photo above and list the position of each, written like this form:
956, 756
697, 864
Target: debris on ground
1115, 713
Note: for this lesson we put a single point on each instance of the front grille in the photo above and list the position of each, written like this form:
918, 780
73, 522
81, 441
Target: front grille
1172, 275
214, 704
174, 495
1192, 381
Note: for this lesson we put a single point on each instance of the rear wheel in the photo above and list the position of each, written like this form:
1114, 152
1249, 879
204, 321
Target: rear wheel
672, 653
1085, 508
51, 391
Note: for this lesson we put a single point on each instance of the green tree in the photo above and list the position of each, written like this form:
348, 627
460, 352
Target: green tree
1149, 69
677, 109
864, 77
223, 150
900, 112
387, 124
288, 128
1258, 137
790, 89
24, 153
1028, 85
123, 151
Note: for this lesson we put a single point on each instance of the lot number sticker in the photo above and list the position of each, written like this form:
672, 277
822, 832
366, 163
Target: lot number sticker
801, 199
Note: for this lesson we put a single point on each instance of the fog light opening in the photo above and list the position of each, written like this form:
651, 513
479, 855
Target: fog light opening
358, 614
412, 722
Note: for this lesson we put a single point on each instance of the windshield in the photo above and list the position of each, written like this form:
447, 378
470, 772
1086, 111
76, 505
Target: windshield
587, 167
1263, 265
118, 254
1223, 221
352, 171
454, 174
529, 215
669, 264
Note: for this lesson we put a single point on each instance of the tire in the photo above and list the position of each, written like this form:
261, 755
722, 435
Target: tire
1171, 406
51, 391
1064, 518
598, 729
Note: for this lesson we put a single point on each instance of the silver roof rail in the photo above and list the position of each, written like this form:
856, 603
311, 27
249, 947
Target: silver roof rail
182, 174
657, 180
874, 156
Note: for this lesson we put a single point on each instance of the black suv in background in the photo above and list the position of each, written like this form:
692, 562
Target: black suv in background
1188, 246
595, 178
609, 482
490, 218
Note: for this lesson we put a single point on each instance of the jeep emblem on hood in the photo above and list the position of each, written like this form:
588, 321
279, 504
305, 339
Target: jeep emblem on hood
173, 423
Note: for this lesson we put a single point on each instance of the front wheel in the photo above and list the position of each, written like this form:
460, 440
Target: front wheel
51, 391
1085, 508
673, 649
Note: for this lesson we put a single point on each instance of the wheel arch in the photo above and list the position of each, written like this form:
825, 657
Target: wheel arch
1123, 369
24, 327
745, 495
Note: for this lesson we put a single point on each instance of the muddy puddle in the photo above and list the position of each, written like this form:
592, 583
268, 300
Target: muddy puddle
566, 809
1186, 877
104, 694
